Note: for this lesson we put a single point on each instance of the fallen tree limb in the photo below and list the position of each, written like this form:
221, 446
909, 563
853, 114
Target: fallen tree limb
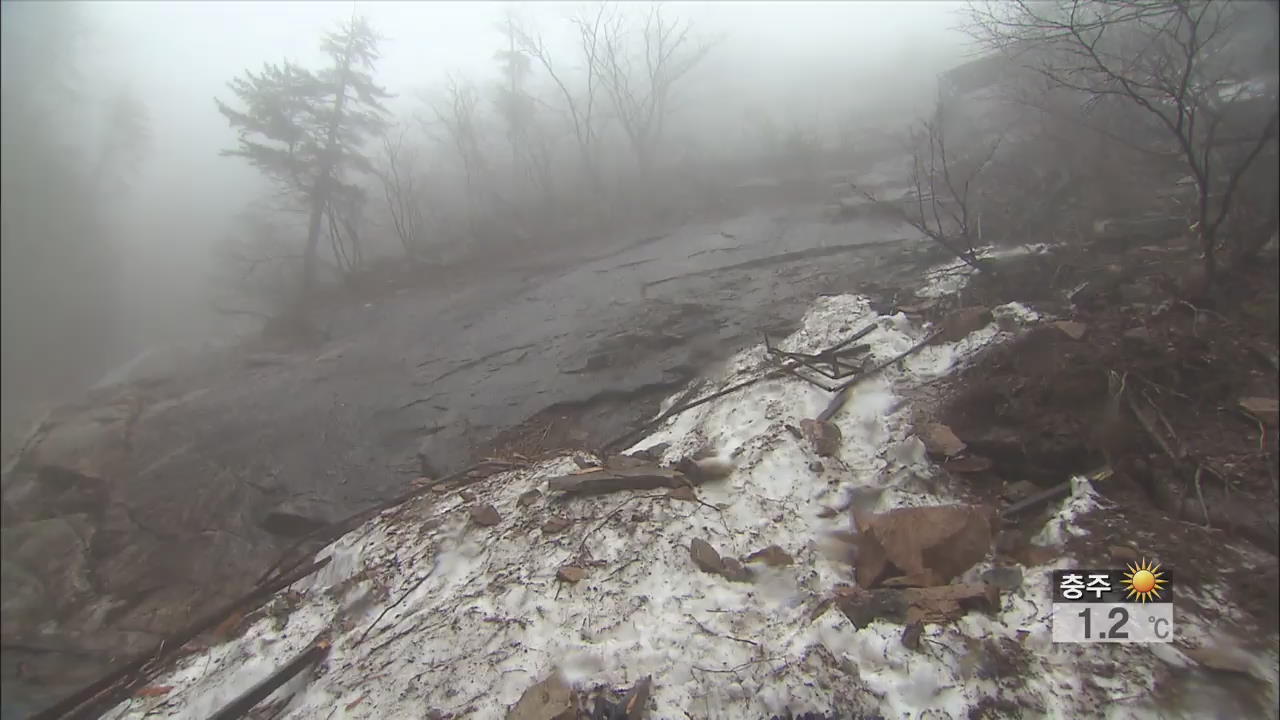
241, 706
97, 697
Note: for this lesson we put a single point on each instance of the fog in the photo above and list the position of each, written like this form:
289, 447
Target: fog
151, 233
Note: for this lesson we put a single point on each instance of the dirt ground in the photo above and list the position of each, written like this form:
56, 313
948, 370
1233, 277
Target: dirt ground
1143, 375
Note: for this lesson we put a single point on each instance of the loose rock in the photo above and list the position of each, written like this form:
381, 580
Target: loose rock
772, 556
485, 515
940, 441
705, 556
555, 525
528, 498
1072, 329
822, 435
684, 493
570, 574
550, 699
734, 570
945, 539
959, 323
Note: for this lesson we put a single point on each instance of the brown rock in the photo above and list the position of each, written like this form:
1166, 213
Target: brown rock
944, 539
550, 699
827, 512
1033, 555
528, 498
485, 515
684, 492
1020, 490
823, 436
911, 635
1265, 409
467, 496
1072, 329
940, 441
1123, 554
570, 574
967, 464
735, 570
555, 525
863, 607
960, 322
772, 556
636, 703
705, 556
705, 469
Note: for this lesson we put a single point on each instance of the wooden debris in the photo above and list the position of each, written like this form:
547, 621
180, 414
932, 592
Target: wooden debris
649, 477
241, 706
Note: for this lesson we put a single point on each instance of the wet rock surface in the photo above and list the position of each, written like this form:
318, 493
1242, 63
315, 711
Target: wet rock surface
189, 485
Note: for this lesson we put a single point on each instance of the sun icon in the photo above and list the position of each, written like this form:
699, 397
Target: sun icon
1144, 580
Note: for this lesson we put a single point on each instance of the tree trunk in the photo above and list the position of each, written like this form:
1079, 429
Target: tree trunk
318, 201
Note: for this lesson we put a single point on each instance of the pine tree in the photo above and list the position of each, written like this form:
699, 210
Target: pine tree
307, 130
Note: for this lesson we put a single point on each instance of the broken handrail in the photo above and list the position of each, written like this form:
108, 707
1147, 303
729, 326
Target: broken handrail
95, 698
832, 356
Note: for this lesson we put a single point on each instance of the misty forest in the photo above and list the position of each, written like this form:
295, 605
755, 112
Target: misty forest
626, 359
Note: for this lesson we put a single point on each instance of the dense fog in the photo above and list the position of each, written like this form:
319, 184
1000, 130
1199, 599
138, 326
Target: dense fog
120, 214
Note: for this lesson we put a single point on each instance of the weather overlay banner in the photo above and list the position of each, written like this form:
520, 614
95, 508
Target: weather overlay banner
1130, 605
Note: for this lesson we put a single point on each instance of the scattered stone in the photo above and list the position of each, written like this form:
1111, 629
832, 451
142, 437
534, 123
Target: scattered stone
485, 515
705, 469
940, 441
822, 435
944, 539
967, 464
684, 493
816, 466
467, 496
911, 635
528, 498
584, 462
550, 699
1265, 409
1004, 578
1071, 328
735, 570
652, 453
705, 556
555, 525
570, 574
960, 322
773, 556
1123, 554
827, 512
795, 431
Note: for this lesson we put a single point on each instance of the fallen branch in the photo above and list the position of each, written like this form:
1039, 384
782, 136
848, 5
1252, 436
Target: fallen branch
241, 706
839, 400
399, 600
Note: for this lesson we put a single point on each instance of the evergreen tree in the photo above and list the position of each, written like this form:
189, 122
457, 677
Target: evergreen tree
307, 130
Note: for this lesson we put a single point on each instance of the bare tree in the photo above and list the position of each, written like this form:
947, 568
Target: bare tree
459, 115
1169, 58
639, 69
398, 175
579, 104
